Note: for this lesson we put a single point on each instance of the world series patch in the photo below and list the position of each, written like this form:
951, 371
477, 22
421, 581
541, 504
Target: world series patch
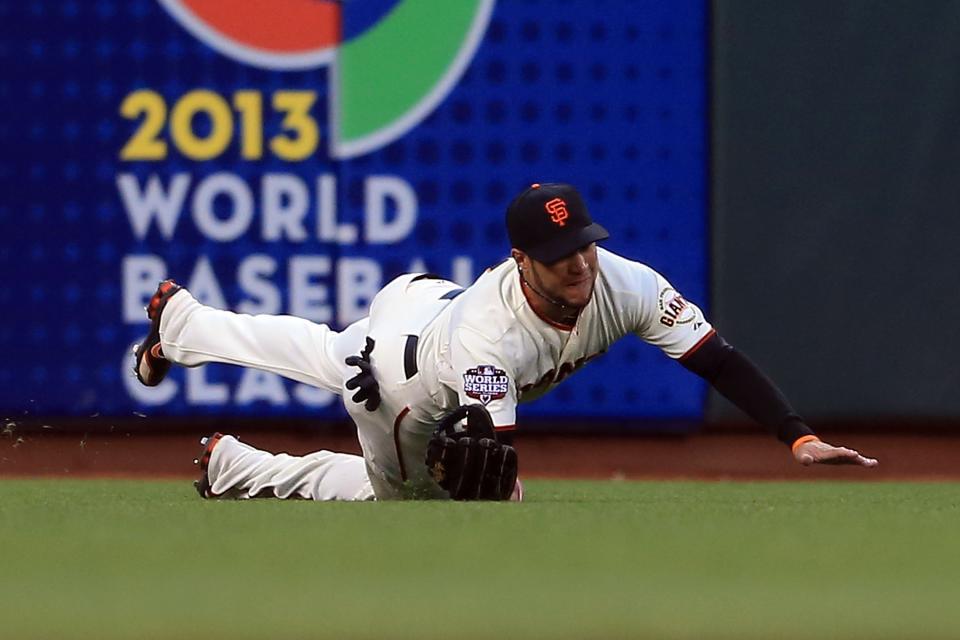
486, 383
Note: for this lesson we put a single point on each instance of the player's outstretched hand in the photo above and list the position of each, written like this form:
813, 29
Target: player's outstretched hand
816, 451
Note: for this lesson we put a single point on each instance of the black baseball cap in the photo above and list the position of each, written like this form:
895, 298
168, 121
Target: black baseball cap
549, 221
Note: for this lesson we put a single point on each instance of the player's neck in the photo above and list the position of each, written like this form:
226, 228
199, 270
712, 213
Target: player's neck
552, 311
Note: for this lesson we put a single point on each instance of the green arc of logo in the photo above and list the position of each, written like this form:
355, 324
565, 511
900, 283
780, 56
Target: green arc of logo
385, 83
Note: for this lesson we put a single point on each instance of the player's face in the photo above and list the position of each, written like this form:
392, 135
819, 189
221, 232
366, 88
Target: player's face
570, 279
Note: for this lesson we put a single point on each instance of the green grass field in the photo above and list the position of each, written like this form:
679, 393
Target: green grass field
123, 559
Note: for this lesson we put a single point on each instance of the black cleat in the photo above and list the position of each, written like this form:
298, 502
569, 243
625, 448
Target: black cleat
150, 366
203, 485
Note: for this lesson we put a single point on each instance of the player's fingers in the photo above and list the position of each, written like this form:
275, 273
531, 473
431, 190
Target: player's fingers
352, 360
352, 383
838, 453
806, 459
842, 455
857, 458
853, 457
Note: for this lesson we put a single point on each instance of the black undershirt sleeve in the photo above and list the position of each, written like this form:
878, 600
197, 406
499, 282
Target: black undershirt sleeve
741, 382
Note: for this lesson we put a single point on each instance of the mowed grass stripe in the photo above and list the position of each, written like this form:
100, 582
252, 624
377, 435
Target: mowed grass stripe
120, 559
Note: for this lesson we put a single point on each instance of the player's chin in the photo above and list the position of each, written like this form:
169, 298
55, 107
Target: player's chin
578, 295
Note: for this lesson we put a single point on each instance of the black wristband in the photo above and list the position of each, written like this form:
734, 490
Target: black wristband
742, 382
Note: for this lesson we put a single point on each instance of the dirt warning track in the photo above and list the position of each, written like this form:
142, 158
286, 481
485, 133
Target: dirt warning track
721, 456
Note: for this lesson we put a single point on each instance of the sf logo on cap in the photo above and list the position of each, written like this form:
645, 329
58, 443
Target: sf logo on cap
557, 209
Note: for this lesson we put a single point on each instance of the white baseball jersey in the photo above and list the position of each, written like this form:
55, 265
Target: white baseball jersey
490, 346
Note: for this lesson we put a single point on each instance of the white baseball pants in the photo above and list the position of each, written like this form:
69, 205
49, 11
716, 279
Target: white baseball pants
238, 470
393, 438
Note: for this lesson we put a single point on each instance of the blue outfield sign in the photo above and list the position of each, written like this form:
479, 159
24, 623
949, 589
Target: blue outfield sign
293, 159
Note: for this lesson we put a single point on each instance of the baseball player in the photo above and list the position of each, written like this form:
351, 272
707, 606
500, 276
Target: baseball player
432, 354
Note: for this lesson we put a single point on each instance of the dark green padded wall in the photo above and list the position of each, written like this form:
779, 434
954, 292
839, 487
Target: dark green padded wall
836, 201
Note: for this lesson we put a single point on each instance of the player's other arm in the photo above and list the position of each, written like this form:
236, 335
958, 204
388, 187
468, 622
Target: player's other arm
742, 382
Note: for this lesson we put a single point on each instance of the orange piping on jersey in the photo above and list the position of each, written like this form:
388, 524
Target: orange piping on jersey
552, 323
801, 440
506, 427
699, 344
396, 442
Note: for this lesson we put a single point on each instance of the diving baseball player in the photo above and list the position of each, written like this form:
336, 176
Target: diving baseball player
431, 354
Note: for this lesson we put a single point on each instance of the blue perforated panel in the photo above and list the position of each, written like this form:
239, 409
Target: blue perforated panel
607, 95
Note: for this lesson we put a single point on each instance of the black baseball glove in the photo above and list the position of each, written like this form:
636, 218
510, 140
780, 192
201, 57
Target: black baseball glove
470, 463
368, 390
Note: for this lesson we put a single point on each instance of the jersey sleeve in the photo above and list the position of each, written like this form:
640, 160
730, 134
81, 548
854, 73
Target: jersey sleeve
669, 320
484, 376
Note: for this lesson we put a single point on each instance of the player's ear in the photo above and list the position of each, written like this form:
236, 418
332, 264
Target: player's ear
518, 257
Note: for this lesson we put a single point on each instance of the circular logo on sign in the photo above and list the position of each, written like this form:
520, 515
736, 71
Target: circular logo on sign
392, 61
